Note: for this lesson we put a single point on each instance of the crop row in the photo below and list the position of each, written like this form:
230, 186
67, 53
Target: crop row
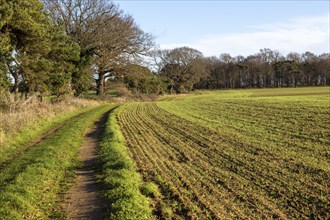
205, 172
292, 127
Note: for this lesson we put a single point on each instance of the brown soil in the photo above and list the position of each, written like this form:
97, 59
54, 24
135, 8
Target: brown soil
84, 200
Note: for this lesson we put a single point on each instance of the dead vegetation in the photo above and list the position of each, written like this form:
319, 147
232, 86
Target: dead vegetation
19, 113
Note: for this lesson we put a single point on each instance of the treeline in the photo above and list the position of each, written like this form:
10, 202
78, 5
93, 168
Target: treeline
58, 47
267, 68
184, 69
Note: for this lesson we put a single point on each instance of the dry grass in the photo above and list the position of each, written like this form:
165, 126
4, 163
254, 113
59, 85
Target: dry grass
125, 95
16, 115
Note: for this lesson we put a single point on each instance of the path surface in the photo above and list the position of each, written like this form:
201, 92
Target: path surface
84, 200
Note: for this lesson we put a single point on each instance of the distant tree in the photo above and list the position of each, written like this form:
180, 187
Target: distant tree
309, 61
140, 79
134, 74
268, 68
254, 71
267, 57
206, 80
289, 71
241, 69
183, 66
223, 71
323, 68
294, 73
315, 69
229, 70
215, 71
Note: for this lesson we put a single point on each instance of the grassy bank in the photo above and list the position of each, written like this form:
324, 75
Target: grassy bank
29, 184
120, 177
24, 119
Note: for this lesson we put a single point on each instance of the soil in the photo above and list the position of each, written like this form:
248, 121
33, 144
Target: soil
84, 200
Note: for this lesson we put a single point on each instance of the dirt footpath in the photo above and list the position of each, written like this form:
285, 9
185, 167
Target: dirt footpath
84, 200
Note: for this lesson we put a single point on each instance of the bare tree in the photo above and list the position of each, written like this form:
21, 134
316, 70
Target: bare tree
108, 38
323, 68
121, 44
83, 20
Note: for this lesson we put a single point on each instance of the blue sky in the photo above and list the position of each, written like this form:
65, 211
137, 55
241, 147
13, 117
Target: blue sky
235, 27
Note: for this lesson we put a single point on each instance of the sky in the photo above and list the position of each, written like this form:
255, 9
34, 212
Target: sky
234, 27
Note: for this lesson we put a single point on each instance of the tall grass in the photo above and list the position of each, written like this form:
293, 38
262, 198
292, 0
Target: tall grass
23, 117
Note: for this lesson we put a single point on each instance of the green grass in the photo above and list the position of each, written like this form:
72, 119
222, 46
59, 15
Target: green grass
29, 184
26, 136
257, 153
119, 176
247, 93
274, 119
254, 153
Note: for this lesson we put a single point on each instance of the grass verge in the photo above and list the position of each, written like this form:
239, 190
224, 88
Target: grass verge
29, 184
24, 139
23, 115
119, 176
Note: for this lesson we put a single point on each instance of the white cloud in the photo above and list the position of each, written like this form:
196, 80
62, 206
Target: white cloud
297, 35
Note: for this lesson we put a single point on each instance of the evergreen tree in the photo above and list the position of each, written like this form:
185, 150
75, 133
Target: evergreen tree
27, 31
63, 55
37, 54
6, 12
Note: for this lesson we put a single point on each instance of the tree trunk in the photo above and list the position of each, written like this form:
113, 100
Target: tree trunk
16, 81
15, 76
100, 84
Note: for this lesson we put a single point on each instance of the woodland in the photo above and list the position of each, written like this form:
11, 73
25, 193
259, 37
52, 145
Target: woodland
69, 47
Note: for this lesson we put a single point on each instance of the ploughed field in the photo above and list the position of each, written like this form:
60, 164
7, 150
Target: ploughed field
234, 154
